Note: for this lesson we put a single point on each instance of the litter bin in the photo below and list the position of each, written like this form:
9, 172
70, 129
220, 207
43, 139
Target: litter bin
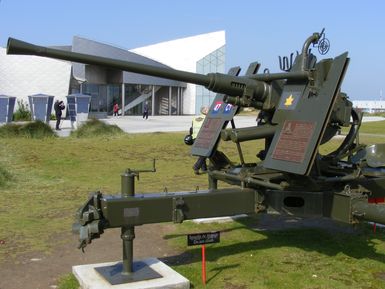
7, 104
41, 106
78, 108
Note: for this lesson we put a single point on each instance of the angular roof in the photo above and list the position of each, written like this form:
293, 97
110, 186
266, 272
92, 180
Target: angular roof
83, 45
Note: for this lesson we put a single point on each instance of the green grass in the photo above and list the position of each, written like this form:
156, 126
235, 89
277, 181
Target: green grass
68, 282
297, 258
44, 181
372, 127
375, 127
5, 176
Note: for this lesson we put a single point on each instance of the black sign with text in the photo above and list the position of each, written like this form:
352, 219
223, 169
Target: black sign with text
203, 238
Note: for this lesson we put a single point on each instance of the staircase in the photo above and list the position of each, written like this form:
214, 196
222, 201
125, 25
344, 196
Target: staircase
141, 98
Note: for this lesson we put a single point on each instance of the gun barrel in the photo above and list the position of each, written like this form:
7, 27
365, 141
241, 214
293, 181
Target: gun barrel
216, 82
248, 133
16, 46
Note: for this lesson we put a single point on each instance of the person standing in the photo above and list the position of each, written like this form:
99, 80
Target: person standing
116, 109
58, 107
145, 110
197, 122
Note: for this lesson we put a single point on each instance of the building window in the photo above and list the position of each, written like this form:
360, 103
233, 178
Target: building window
213, 62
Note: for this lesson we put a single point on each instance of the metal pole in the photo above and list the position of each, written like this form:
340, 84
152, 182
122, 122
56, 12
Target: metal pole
181, 100
213, 182
179, 106
153, 101
128, 232
123, 99
128, 184
204, 264
238, 146
169, 100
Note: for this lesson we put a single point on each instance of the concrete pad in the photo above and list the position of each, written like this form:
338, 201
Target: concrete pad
218, 219
89, 278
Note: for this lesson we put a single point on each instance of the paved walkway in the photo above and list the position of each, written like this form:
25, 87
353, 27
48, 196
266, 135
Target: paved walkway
136, 124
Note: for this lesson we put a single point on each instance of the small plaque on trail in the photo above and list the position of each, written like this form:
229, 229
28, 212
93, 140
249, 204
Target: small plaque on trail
203, 238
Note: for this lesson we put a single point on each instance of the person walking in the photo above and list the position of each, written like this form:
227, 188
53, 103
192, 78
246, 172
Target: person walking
145, 110
58, 107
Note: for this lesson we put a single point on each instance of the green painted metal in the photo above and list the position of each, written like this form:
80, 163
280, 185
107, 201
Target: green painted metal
128, 231
351, 207
176, 207
361, 210
248, 133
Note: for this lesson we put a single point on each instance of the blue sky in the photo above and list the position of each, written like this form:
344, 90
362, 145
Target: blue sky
255, 30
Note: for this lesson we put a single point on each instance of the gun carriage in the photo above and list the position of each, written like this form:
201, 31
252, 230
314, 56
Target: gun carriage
302, 108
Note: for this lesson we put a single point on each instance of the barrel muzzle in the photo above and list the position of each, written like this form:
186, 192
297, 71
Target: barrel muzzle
15, 46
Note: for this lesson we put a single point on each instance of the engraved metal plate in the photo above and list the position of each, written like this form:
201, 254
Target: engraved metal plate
294, 140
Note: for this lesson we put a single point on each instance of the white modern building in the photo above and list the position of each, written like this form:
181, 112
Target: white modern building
21, 76
370, 106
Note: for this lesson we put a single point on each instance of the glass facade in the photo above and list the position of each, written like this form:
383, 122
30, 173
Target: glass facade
213, 62
103, 97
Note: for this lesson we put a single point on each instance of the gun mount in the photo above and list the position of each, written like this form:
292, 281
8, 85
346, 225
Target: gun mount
300, 110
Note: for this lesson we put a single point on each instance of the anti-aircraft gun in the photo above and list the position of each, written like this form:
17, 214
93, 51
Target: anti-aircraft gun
301, 109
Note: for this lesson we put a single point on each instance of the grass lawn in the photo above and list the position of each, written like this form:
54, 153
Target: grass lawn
44, 181
297, 258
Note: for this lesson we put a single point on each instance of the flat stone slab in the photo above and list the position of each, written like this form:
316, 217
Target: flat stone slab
219, 219
89, 278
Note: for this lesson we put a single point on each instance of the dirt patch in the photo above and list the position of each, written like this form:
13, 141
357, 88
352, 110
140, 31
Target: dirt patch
229, 285
41, 271
379, 275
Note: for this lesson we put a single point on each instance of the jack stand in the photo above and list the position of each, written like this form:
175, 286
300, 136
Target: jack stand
128, 271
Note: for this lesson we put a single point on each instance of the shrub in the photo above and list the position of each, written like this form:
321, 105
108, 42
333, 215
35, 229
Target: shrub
94, 127
35, 129
9, 130
22, 112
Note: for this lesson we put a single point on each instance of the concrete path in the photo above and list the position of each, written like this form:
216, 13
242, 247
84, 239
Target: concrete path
136, 124
164, 123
